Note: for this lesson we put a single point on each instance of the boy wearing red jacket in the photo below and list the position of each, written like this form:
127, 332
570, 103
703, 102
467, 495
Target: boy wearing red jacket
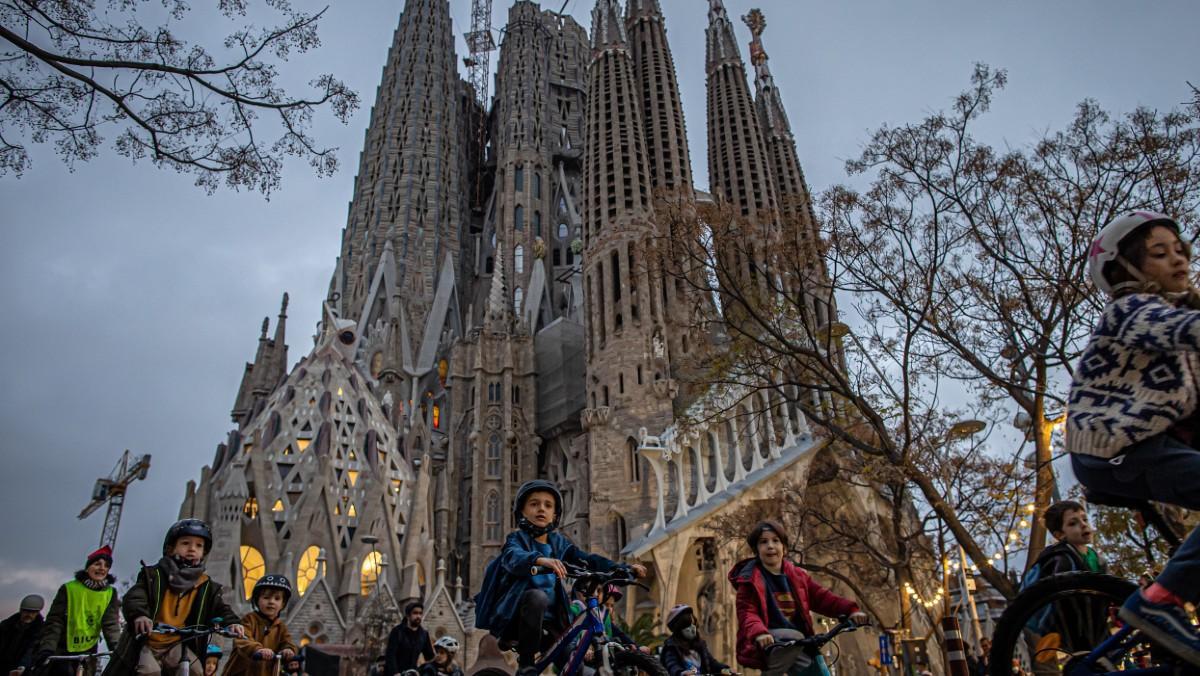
774, 597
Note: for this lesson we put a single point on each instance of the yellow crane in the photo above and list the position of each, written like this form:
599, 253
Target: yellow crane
110, 490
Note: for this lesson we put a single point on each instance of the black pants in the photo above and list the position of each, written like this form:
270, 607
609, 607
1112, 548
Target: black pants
528, 625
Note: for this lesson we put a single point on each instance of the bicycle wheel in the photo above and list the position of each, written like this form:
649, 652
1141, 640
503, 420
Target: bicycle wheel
1058, 621
634, 662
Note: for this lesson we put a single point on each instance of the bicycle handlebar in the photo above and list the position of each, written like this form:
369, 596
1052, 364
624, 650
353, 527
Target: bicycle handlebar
76, 658
817, 640
194, 631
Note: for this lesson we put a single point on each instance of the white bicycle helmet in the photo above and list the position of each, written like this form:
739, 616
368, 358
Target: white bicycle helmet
447, 643
1107, 244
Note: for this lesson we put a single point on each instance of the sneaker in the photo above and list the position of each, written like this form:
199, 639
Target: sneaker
1164, 623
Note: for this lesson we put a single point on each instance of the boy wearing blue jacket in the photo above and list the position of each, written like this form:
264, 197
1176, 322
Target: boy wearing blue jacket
514, 604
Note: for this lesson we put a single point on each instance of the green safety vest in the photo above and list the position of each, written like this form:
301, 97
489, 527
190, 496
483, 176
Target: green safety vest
85, 612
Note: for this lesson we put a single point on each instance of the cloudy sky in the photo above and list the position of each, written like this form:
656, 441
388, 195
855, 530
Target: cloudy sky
133, 299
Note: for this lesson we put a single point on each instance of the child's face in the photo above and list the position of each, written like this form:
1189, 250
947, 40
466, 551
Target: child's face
770, 549
189, 548
442, 657
98, 570
1166, 262
539, 508
210, 666
270, 602
1076, 530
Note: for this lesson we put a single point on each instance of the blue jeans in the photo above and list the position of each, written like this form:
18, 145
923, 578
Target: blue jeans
1163, 469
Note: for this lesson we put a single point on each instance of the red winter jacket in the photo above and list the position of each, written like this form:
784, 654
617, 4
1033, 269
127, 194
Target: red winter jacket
747, 578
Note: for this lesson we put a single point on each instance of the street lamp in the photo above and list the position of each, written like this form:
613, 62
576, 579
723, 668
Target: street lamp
965, 428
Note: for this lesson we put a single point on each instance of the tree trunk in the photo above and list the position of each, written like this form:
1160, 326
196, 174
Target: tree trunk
1044, 491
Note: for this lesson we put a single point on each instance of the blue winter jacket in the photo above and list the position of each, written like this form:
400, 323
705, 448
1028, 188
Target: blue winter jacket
509, 576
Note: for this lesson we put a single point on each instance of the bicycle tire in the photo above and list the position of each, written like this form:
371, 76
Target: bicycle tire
1011, 628
633, 662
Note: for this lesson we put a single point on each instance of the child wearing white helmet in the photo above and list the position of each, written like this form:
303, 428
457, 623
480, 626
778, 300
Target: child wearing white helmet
444, 650
1133, 408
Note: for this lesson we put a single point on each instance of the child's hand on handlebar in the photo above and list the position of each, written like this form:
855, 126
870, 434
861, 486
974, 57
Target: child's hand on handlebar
554, 565
287, 654
264, 654
142, 626
238, 631
764, 640
860, 619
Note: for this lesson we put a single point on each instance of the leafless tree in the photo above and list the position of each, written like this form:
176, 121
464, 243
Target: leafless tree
962, 271
72, 69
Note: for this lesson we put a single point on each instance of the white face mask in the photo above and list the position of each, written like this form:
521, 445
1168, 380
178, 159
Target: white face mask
689, 632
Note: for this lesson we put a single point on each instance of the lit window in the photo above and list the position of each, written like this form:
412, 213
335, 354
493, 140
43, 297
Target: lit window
278, 506
253, 568
353, 477
250, 509
306, 572
302, 444
370, 572
352, 511
437, 416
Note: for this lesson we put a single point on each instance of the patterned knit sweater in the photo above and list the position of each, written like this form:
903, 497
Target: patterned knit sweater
1137, 377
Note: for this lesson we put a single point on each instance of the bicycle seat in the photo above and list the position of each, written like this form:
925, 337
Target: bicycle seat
1110, 500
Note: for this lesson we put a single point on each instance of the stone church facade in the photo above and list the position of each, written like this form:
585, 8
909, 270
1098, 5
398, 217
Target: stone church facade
496, 315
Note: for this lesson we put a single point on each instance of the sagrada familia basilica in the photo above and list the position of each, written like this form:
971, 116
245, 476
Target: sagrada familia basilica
495, 316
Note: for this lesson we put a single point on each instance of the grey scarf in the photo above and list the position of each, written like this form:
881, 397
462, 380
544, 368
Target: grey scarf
181, 580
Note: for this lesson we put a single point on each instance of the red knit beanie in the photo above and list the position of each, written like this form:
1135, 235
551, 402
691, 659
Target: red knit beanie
104, 552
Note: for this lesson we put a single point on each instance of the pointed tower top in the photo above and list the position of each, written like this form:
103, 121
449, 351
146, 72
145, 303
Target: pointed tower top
721, 45
283, 306
262, 334
772, 114
643, 7
497, 302
608, 31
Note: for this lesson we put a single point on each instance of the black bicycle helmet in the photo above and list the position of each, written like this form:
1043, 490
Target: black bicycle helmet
271, 582
187, 527
533, 487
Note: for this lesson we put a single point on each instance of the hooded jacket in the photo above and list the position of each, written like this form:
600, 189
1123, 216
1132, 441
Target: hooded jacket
145, 598
674, 650
510, 575
260, 633
746, 576
54, 634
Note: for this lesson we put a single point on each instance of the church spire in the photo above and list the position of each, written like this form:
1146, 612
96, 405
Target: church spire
720, 43
662, 110
794, 196
607, 30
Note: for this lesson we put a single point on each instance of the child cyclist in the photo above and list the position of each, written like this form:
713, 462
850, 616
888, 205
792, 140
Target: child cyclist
773, 601
84, 610
174, 591
1132, 413
266, 634
513, 603
442, 664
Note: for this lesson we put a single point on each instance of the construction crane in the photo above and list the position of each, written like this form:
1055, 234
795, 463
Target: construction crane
480, 45
111, 490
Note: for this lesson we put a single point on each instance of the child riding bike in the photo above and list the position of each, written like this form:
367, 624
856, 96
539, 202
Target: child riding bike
84, 610
773, 601
1132, 413
174, 591
514, 603
266, 633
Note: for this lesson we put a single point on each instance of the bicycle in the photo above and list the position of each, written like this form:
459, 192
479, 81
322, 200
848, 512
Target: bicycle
587, 631
1069, 621
82, 662
190, 634
806, 648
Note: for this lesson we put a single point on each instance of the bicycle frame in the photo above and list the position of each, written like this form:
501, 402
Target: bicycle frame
586, 627
1119, 643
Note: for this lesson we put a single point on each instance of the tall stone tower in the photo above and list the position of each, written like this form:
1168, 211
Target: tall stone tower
628, 376
738, 168
662, 112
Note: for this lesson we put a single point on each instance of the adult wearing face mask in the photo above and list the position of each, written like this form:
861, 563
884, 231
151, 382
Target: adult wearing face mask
684, 653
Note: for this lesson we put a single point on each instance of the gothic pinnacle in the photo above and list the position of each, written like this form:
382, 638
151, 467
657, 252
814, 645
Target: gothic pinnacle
608, 31
720, 43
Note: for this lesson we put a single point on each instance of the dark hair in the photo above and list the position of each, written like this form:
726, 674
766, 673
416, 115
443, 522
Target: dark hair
1133, 249
413, 606
762, 527
1054, 514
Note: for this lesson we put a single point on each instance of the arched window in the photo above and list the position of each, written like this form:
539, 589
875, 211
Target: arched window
562, 232
518, 297
537, 185
370, 572
519, 259
250, 508
306, 572
635, 464
491, 517
537, 223
493, 457
519, 178
519, 218
253, 568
